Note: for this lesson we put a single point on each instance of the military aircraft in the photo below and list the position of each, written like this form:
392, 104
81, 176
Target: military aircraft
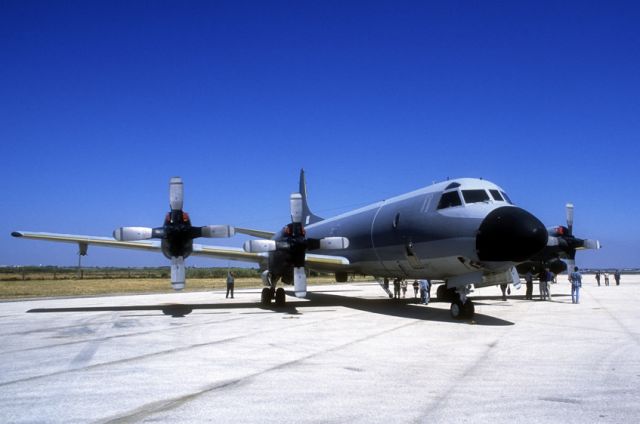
560, 253
464, 231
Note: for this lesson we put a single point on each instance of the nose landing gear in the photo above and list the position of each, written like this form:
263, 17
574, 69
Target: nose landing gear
462, 308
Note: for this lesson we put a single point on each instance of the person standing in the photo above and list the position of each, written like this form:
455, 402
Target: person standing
551, 278
576, 282
528, 278
544, 278
503, 287
416, 287
425, 286
606, 278
396, 288
230, 283
616, 276
403, 287
598, 277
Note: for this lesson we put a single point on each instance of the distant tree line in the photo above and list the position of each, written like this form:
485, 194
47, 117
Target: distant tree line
59, 273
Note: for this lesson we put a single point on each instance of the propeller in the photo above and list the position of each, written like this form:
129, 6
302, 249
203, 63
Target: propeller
176, 234
565, 240
294, 244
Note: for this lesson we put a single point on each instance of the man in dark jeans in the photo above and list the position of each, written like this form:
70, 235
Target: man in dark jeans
528, 278
230, 284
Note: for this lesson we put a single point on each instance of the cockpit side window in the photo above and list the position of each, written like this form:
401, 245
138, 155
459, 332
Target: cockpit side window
449, 200
506, 197
496, 196
475, 196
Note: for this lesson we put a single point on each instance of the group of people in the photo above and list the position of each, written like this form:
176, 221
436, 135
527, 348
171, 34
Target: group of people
575, 279
422, 286
616, 276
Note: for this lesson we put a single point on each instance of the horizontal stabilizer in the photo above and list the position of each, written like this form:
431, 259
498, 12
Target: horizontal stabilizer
255, 233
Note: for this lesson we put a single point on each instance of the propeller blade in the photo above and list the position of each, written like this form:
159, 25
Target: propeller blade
571, 264
133, 233
299, 281
296, 208
570, 217
259, 246
178, 273
591, 244
176, 193
217, 231
334, 243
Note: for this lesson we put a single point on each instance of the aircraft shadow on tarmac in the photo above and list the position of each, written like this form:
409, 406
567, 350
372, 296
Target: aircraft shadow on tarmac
401, 308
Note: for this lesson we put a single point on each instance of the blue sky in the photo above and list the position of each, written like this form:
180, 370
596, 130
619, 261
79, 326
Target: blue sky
102, 102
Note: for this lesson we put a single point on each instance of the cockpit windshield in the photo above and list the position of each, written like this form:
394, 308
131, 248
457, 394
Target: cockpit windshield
452, 198
506, 197
475, 196
449, 200
496, 195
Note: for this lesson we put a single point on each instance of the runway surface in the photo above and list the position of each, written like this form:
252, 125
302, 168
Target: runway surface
348, 355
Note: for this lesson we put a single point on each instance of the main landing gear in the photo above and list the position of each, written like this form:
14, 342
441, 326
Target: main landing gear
270, 293
462, 307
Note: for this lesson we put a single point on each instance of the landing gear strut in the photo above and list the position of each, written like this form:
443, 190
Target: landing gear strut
446, 295
462, 308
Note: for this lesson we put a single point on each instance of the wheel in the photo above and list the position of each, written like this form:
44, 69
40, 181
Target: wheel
280, 297
468, 309
265, 298
456, 310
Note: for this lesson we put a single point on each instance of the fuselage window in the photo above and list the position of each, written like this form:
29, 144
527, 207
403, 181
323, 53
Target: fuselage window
506, 197
497, 196
449, 200
475, 196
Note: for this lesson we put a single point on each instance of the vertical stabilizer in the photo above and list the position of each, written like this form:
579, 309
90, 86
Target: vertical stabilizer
307, 215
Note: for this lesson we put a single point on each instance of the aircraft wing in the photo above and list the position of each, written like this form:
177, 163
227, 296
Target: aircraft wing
218, 252
90, 240
255, 233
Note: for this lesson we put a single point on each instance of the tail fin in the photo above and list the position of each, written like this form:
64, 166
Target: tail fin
307, 216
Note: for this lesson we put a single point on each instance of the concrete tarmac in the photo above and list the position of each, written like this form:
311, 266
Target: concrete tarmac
349, 354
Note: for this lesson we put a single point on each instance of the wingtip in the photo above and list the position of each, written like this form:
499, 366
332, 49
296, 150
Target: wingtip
16, 234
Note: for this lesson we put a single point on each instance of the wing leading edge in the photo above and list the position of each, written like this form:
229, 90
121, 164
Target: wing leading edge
218, 252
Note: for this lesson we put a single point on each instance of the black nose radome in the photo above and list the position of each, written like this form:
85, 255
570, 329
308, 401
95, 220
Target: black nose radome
510, 234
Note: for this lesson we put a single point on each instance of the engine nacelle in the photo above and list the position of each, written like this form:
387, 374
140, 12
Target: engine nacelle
132, 233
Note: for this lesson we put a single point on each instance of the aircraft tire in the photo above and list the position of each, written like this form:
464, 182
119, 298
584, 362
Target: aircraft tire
265, 298
441, 293
468, 309
280, 297
456, 310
